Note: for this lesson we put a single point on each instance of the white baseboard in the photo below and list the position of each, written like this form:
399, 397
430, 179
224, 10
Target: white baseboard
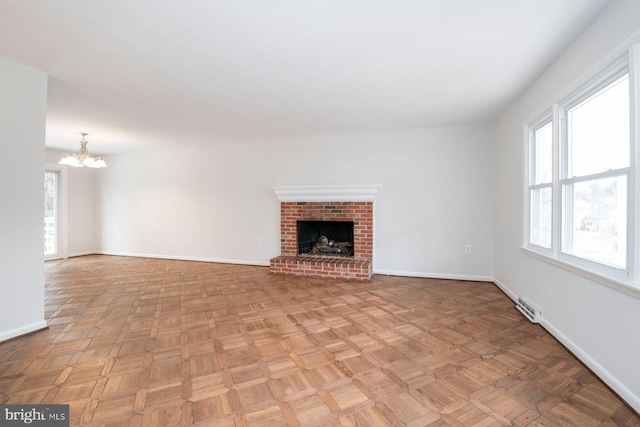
616, 385
23, 330
434, 275
83, 253
623, 391
187, 258
473, 278
506, 290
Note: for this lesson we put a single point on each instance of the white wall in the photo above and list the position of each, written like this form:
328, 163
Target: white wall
81, 226
436, 196
22, 109
597, 323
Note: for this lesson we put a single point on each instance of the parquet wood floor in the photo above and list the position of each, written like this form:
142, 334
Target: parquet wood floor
146, 342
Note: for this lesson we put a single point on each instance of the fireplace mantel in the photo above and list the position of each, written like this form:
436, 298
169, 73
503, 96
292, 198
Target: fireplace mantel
327, 193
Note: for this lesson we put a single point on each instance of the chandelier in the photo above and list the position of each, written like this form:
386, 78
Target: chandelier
82, 158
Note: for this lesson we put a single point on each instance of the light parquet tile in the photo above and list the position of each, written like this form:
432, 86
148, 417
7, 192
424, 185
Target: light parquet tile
147, 342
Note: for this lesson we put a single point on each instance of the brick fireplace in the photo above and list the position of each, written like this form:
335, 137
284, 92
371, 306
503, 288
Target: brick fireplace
337, 203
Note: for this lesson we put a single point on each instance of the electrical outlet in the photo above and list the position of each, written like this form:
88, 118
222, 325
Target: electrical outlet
191, 237
467, 249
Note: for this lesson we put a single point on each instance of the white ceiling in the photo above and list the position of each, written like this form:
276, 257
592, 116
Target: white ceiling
136, 74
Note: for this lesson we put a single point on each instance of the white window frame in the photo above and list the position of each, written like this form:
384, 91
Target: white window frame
62, 210
546, 118
627, 279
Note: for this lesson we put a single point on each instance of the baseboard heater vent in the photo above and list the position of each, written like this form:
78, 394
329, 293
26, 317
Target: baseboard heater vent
529, 311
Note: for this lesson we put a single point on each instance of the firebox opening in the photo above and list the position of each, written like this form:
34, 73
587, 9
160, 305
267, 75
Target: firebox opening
325, 238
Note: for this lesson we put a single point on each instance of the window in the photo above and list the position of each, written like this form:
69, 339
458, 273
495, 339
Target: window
595, 174
580, 181
541, 182
55, 211
51, 214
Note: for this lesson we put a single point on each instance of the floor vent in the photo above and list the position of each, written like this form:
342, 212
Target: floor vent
529, 311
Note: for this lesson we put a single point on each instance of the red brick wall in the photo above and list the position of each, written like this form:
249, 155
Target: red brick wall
361, 213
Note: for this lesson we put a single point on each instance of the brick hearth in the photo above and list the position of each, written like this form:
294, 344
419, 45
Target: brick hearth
360, 267
336, 268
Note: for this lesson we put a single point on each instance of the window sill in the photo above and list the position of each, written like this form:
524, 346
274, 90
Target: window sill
617, 285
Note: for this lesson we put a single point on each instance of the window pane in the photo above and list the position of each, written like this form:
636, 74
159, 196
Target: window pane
50, 213
541, 217
543, 151
598, 131
599, 220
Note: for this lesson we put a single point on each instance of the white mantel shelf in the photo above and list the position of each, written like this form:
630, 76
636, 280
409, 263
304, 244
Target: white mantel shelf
327, 193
